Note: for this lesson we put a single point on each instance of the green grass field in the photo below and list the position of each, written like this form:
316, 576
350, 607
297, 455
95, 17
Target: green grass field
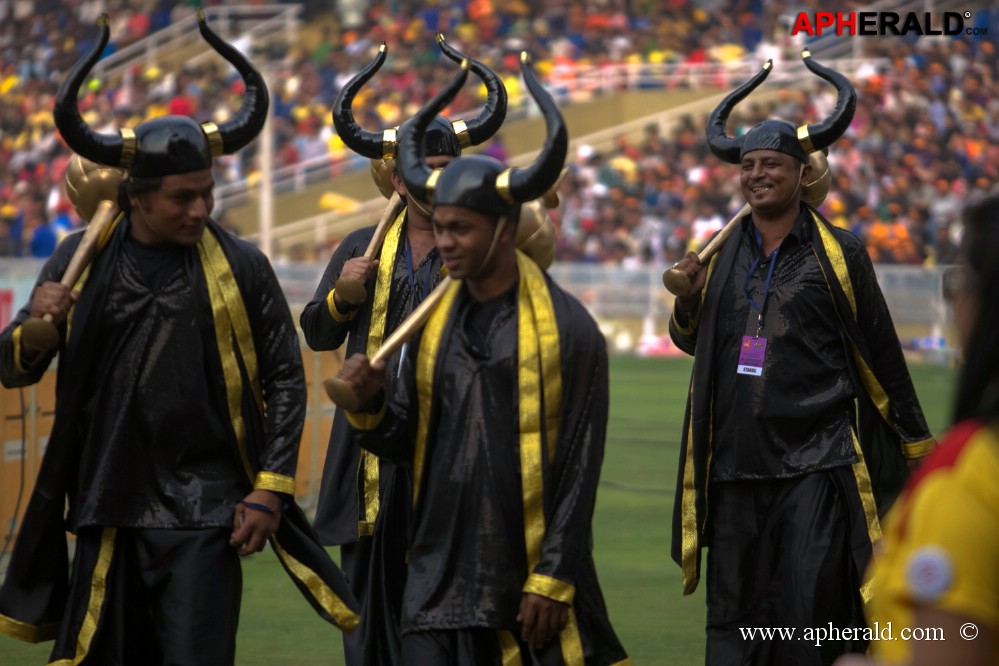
658, 626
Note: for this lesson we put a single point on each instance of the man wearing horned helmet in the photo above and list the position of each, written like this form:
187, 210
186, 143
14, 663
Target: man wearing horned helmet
801, 415
501, 413
179, 411
358, 490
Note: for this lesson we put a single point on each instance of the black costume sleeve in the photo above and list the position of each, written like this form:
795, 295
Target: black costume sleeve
322, 331
390, 433
883, 346
282, 378
11, 375
572, 495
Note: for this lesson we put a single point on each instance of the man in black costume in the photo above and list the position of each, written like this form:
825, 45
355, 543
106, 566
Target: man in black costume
792, 341
179, 410
501, 414
358, 491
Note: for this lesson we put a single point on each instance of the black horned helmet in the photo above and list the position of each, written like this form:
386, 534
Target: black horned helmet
169, 144
444, 137
480, 182
781, 135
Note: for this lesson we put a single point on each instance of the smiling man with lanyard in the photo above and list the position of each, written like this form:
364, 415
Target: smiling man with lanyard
793, 344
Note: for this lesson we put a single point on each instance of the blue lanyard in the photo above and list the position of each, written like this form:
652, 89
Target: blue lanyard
766, 285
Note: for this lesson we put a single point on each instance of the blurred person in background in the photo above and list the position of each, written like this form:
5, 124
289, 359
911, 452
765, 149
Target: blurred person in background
363, 501
936, 570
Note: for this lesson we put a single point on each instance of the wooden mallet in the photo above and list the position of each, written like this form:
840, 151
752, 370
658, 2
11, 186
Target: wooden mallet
676, 281
342, 393
93, 190
352, 290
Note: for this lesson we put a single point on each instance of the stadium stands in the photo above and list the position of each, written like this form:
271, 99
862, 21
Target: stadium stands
925, 138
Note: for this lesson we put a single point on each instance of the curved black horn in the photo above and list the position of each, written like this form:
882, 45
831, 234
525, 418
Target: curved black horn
246, 123
533, 181
494, 111
725, 147
358, 139
823, 134
410, 158
97, 147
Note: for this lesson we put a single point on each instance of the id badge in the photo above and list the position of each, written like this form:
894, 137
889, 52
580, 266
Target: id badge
751, 355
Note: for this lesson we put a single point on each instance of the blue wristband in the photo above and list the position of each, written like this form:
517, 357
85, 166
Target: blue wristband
256, 506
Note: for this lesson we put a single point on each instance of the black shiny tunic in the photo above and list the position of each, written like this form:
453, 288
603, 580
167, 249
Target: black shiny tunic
796, 417
467, 562
158, 452
476, 581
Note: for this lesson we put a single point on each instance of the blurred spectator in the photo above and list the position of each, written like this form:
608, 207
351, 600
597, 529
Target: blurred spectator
935, 572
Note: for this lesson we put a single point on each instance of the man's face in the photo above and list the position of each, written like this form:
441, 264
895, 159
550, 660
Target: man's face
175, 213
772, 181
463, 239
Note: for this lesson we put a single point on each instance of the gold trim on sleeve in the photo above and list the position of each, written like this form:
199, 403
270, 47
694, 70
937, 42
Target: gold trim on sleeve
366, 421
919, 449
553, 588
336, 314
279, 483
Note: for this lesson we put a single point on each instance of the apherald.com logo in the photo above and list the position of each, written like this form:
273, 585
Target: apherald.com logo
885, 23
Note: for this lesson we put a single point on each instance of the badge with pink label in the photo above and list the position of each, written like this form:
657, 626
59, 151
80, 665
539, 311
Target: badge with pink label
751, 355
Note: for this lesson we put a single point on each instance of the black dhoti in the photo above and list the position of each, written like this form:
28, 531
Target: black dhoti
780, 557
154, 597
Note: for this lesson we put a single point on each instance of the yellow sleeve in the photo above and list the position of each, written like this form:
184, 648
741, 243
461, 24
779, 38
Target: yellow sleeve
946, 557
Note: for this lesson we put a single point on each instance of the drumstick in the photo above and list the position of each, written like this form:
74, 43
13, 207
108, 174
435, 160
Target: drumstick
678, 282
342, 393
352, 290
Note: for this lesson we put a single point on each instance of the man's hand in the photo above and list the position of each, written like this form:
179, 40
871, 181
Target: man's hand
53, 298
365, 377
692, 267
251, 526
358, 268
541, 619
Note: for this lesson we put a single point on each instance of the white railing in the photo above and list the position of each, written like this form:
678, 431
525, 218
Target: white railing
256, 22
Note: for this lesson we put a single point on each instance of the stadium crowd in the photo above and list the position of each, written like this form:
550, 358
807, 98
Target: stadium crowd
924, 140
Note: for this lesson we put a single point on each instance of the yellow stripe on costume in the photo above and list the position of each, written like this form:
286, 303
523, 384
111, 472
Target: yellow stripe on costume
345, 618
98, 590
572, 644
866, 490
689, 543
376, 334
433, 332
29, 633
509, 647
208, 249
